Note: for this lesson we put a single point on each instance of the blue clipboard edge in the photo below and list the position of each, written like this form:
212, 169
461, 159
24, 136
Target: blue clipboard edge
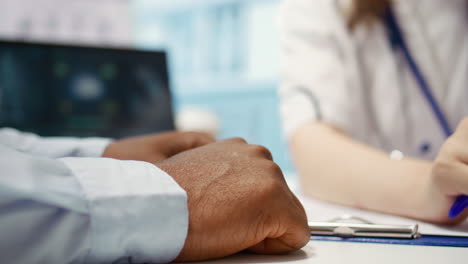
435, 241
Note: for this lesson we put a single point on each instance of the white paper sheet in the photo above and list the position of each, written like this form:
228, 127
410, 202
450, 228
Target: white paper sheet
318, 211
321, 212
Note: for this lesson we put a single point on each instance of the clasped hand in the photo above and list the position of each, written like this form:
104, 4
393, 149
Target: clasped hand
237, 196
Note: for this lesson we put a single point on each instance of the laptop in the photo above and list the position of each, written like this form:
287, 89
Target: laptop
62, 90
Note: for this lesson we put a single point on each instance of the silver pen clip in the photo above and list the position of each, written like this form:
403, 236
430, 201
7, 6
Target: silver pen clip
336, 227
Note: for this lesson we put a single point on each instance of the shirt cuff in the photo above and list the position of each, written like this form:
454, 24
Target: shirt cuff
74, 147
137, 210
53, 147
92, 147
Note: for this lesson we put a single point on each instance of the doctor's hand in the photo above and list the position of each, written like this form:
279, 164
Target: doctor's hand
449, 176
237, 200
156, 147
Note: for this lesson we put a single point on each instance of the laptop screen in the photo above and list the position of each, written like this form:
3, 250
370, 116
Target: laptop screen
55, 90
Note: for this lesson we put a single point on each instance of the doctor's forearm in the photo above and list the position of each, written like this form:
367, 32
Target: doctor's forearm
335, 168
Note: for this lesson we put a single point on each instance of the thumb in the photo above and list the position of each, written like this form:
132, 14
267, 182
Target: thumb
288, 243
272, 246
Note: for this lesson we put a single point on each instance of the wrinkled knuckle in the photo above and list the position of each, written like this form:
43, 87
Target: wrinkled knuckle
270, 187
261, 151
272, 168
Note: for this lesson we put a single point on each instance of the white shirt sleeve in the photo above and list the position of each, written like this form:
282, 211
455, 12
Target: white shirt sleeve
314, 77
88, 210
53, 147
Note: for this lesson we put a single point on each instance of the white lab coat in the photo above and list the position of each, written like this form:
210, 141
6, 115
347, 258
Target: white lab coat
61, 203
355, 80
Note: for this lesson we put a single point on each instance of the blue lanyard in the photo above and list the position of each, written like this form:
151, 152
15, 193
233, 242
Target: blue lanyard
398, 42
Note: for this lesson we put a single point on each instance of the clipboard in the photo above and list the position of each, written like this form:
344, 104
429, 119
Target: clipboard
358, 230
436, 241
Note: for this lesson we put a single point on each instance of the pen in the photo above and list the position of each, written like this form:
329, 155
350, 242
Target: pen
363, 230
459, 206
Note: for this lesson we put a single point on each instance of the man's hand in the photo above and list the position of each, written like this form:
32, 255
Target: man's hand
156, 147
237, 200
449, 177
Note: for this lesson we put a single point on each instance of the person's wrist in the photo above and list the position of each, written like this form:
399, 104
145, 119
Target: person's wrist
430, 197
419, 193
93, 147
107, 152
113, 150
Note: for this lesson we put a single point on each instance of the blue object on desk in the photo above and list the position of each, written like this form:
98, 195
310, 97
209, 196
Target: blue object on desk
459, 206
439, 241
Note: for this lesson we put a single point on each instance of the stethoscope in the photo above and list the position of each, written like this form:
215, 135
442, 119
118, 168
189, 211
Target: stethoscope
399, 43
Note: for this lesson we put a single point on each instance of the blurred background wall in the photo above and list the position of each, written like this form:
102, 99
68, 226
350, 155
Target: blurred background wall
223, 54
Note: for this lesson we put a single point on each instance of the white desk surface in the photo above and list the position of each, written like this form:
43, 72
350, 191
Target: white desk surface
324, 252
